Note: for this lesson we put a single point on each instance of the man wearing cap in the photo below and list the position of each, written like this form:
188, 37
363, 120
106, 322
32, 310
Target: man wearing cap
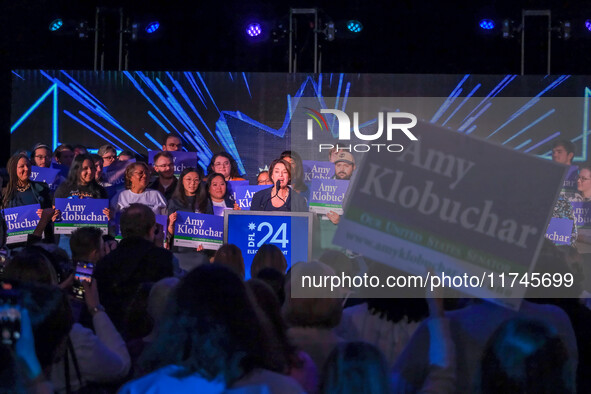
344, 165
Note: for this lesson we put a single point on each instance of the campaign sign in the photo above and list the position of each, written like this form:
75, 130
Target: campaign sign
47, 175
63, 170
114, 176
85, 212
290, 232
582, 211
243, 195
160, 219
327, 195
20, 222
455, 204
232, 185
317, 170
181, 159
560, 231
570, 181
194, 229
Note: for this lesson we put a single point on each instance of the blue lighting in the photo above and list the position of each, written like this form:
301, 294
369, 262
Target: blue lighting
354, 26
588, 24
56, 24
152, 27
486, 24
254, 30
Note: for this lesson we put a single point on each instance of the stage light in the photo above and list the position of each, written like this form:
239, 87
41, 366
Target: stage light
354, 26
588, 24
254, 30
152, 27
508, 28
486, 24
56, 24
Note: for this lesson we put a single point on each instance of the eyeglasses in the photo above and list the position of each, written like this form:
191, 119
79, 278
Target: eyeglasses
139, 173
583, 179
164, 165
110, 158
191, 180
224, 164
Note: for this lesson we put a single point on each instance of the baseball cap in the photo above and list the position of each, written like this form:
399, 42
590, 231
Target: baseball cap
345, 157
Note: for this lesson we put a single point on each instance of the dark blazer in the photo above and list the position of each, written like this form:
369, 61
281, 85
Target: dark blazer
261, 201
135, 261
42, 195
228, 200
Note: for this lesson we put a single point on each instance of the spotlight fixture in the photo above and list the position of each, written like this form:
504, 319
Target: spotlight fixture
56, 24
354, 26
254, 30
486, 24
588, 24
151, 27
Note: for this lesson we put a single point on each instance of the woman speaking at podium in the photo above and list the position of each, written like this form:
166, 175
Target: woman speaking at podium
280, 197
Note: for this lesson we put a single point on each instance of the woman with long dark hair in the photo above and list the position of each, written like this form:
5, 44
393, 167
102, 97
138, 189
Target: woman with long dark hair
218, 195
81, 182
20, 190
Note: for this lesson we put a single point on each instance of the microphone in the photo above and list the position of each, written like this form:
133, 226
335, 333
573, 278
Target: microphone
277, 185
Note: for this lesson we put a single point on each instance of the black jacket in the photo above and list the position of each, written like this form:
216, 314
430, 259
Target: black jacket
261, 201
119, 274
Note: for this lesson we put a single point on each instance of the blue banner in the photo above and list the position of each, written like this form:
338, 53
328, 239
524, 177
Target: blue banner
243, 195
181, 159
317, 170
570, 181
560, 231
327, 195
48, 175
20, 222
63, 170
582, 211
76, 213
289, 233
194, 229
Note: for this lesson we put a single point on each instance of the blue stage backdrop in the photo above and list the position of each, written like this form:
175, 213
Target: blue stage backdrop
249, 114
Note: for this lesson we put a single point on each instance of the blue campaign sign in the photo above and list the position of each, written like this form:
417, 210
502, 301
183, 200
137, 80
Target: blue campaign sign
560, 231
449, 202
63, 170
327, 195
317, 170
570, 181
194, 229
20, 222
290, 232
232, 185
181, 159
115, 173
243, 195
582, 211
47, 175
76, 213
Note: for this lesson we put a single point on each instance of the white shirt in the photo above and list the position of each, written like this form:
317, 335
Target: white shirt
151, 198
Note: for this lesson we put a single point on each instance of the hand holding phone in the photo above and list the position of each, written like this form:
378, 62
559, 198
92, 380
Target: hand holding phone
82, 274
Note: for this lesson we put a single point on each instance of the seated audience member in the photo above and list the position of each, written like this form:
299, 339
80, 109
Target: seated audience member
268, 256
41, 155
229, 255
125, 155
171, 143
80, 150
299, 364
108, 153
219, 195
166, 181
213, 337
263, 178
279, 198
224, 164
136, 260
157, 304
312, 320
100, 358
355, 367
276, 280
64, 154
136, 191
87, 245
526, 356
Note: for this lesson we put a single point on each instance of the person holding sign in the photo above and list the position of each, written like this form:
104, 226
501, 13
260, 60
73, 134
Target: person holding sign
166, 182
583, 183
189, 195
224, 164
108, 153
279, 197
136, 191
219, 197
81, 182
